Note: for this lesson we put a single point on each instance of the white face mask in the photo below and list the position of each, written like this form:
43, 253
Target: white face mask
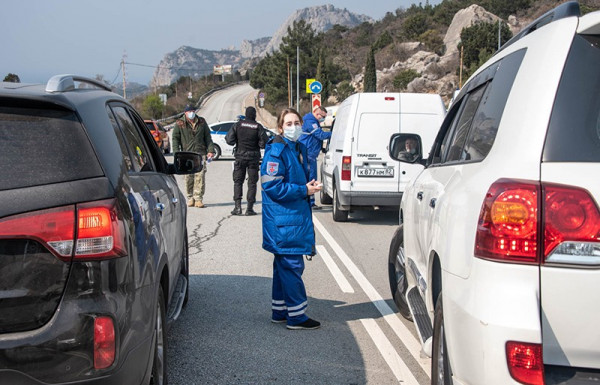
190, 115
292, 132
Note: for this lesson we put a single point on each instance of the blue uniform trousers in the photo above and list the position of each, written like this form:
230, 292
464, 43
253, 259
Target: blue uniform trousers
289, 295
312, 174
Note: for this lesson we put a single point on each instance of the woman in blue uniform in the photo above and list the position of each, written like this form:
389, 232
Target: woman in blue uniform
287, 219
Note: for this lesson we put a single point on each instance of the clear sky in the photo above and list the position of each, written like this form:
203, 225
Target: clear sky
41, 38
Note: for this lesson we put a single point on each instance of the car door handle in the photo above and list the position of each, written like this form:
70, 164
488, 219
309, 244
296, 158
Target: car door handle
159, 207
432, 203
420, 195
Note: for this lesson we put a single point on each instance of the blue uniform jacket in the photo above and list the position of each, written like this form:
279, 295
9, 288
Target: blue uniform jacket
286, 213
313, 136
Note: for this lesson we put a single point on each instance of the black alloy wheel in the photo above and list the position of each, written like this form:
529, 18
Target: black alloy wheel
440, 365
159, 366
397, 272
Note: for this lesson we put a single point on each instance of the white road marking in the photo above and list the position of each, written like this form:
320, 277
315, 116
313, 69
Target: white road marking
335, 270
411, 343
399, 368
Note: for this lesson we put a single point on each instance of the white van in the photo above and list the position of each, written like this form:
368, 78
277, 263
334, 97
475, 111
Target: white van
357, 170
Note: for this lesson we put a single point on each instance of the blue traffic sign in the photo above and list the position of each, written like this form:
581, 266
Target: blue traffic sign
316, 87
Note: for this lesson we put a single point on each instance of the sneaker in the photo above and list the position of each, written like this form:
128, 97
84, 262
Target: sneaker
306, 325
278, 321
315, 207
190, 202
199, 204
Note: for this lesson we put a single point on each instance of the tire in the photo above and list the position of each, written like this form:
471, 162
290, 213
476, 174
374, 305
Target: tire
339, 215
397, 272
217, 152
185, 267
159, 364
440, 365
325, 199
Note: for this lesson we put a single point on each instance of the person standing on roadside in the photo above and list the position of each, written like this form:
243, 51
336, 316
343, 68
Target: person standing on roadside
287, 224
248, 137
191, 133
313, 137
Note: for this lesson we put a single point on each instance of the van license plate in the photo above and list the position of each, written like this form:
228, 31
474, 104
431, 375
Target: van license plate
387, 172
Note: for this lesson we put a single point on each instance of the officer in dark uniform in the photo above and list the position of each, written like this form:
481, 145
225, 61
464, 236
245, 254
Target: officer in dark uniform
249, 137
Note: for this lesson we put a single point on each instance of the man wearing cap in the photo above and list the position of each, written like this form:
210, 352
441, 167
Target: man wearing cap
312, 137
249, 137
191, 133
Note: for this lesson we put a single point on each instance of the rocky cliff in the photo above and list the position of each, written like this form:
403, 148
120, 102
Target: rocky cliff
189, 61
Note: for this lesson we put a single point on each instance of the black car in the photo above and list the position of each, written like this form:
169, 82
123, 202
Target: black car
93, 240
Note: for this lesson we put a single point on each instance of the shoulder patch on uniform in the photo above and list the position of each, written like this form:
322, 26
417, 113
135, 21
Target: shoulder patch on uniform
315, 126
272, 168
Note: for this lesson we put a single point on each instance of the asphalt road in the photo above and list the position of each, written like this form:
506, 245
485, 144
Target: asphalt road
224, 336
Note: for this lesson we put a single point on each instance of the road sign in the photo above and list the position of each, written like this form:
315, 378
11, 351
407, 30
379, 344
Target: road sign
308, 83
316, 101
316, 87
261, 95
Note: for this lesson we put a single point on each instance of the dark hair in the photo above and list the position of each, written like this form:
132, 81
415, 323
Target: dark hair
283, 113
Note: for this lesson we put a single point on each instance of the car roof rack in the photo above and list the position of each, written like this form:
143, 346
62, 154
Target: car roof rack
564, 10
63, 83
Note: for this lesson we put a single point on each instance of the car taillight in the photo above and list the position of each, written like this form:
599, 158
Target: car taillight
510, 226
104, 342
88, 230
99, 231
525, 362
346, 167
508, 222
571, 225
54, 227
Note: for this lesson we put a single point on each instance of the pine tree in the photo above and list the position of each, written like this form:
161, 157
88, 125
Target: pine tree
370, 82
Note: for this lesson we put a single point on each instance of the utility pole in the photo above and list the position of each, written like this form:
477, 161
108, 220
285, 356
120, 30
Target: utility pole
124, 76
499, 37
289, 81
460, 68
298, 78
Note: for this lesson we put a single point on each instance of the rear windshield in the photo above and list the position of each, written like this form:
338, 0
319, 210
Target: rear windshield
40, 146
574, 131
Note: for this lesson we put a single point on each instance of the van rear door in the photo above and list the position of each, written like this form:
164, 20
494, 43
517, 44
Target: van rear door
374, 170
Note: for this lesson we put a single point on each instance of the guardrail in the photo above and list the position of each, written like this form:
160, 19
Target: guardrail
200, 101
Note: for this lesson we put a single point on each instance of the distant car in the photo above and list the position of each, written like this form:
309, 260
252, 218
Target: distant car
217, 132
222, 149
93, 239
497, 256
160, 135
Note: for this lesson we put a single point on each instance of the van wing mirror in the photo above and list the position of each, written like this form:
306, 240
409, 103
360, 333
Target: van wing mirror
186, 163
406, 148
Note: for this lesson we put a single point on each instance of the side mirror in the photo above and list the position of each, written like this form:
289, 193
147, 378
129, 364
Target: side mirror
186, 163
406, 148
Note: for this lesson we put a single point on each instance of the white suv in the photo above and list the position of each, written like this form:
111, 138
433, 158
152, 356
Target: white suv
497, 257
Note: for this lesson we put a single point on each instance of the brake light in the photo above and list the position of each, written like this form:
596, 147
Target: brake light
390, 98
508, 222
90, 230
571, 225
54, 227
104, 342
525, 362
346, 167
99, 231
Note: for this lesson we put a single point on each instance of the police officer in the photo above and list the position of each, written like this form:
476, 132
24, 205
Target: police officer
288, 230
191, 133
313, 137
249, 137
